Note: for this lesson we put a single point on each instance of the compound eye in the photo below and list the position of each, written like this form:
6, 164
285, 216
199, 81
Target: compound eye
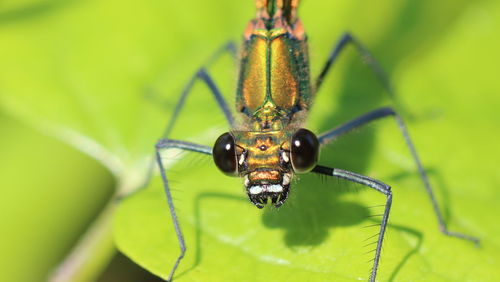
224, 154
304, 151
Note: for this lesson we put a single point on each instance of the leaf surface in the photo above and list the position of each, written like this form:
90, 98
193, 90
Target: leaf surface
83, 71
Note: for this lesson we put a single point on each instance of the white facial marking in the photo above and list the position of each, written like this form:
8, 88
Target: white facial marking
275, 188
255, 190
285, 157
247, 181
286, 179
242, 159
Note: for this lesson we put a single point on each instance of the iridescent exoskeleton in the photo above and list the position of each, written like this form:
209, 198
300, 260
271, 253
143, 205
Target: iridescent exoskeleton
268, 145
273, 97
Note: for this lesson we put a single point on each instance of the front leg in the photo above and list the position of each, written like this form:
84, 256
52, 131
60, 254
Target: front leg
203, 75
164, 144
374, 184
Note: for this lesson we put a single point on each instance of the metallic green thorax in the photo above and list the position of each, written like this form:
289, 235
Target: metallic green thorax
273, 97
274, 89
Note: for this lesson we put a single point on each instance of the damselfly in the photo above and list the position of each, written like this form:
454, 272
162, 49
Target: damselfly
267, 144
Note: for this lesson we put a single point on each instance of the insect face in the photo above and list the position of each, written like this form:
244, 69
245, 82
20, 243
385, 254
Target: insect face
266, 161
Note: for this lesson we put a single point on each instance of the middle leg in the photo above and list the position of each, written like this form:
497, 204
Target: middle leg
203, 75
377, 114
344, 41
348, 39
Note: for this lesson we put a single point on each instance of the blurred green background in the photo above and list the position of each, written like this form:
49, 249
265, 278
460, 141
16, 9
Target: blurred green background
86, 88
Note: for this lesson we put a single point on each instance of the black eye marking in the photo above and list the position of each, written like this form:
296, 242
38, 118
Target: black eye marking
224, 154
304, 151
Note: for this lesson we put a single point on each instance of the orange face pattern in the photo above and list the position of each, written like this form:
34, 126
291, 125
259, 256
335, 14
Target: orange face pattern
264, 162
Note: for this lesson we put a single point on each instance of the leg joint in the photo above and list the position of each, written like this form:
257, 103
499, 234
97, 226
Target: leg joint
347, 36
388, 193
385, 189
201, 73
389, 111
161, 144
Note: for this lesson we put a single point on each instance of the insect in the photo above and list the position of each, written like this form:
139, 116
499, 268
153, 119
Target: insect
268, 145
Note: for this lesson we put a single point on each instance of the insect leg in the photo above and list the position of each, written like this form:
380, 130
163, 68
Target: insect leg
377, 114
164, 144
368, 58
203, 75
374, 184
206, 78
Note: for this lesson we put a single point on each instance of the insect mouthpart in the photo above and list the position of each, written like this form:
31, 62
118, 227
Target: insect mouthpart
261, 191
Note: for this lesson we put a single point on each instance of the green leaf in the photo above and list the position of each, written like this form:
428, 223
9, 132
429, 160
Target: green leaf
80, 71
319, 233
43, 215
